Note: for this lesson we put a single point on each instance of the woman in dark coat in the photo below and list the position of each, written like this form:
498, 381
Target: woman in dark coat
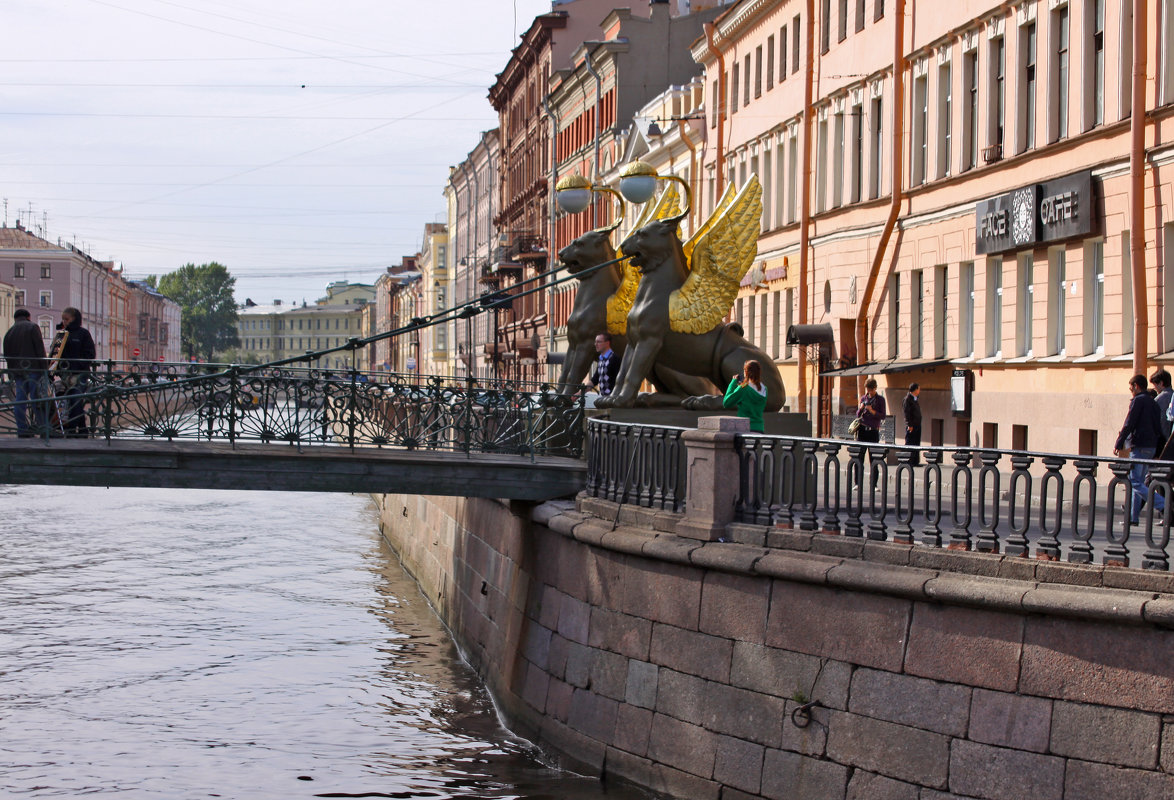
77, 360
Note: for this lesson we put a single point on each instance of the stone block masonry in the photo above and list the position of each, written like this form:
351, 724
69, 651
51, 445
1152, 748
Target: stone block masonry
690, 666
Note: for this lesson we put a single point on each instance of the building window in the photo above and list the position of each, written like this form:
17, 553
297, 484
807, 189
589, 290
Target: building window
734, 75
18, 270
945, 118
1059, 88
920, 129
1094, 297
768, 191
1026, 310
998, 107
970, 110
1095, 63
789, 310
46, 328
875, 117
857, 166
825, 33
821, 160
758, 71
770, 62
46, 300
941, 309
916, 312
966, 334
994, 309
795, 44
1166, 51
746, 82
859, 15
878, 10
838, 161
784, 43
894, 312
843, 29
46, 271
1057, 301
1027, 53
792, 183
19, 297
780, 185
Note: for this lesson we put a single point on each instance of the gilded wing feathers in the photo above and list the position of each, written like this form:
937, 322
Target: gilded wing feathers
726, 199
722, 253
620, 303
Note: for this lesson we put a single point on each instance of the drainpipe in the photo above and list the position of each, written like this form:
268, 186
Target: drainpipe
553, 207
897, 196
693, 179
1137, 199
720, 111
598, 121
805, 201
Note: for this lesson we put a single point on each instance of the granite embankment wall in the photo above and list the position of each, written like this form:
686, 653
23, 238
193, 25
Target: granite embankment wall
680, 664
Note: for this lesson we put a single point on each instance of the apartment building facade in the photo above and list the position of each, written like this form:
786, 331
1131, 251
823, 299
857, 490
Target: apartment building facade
471, 196
48, 277
967, 224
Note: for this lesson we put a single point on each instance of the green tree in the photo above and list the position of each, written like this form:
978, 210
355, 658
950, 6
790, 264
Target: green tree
204, 294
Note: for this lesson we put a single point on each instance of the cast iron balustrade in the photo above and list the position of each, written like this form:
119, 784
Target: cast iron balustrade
989, 500
301, 406
642, 465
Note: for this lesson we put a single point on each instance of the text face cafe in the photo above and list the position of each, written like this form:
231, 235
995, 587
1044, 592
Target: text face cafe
1036, 214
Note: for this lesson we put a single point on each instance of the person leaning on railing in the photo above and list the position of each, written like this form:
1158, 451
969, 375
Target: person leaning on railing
24, 353
77, 360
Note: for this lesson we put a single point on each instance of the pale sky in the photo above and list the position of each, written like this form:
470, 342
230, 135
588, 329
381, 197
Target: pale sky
295, 142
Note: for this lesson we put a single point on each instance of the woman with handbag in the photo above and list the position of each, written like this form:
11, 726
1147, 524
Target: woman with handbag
871, 413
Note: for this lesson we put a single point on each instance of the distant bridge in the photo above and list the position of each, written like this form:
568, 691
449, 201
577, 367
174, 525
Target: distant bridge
283, 429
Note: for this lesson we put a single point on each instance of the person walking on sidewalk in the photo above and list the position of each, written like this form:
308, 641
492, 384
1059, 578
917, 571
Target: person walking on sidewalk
1140, 435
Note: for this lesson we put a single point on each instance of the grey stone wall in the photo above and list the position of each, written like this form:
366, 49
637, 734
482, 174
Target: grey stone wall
680, 664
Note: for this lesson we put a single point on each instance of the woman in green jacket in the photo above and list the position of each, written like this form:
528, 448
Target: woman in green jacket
748, 395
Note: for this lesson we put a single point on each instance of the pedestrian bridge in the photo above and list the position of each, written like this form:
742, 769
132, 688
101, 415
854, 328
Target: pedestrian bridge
289, 429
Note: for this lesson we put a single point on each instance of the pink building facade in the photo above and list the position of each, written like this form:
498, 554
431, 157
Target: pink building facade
121, 315
1005, 260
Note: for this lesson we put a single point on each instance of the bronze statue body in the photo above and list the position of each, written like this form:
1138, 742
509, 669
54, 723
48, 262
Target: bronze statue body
717, 354
589, 317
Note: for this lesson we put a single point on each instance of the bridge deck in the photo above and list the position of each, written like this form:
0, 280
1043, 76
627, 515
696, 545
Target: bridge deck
268, 467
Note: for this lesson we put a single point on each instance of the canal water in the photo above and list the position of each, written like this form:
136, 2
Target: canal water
188, 644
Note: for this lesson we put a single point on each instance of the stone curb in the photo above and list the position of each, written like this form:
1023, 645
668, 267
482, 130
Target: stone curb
978, 580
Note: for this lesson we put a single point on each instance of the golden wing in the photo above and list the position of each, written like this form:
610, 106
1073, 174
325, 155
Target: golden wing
620, 303
721, 255
726, 199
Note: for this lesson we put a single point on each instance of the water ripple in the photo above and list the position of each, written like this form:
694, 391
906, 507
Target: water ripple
186, 644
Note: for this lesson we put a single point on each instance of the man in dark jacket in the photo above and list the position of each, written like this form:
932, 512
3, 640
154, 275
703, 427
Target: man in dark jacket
24, 352
912, 411
1142, 430
77, 359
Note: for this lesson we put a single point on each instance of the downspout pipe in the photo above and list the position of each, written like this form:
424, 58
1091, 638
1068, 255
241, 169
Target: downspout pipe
805, 200
595, 178
683, 127
898, 170
1137, 180
720, 111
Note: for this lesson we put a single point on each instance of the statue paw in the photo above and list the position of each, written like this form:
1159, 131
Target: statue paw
604, 402
707, 402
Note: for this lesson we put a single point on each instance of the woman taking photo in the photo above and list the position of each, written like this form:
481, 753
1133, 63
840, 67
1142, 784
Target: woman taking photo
748, 395
871, 413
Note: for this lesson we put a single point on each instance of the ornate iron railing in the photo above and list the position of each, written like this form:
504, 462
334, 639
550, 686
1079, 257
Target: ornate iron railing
1042, 505
297, 406
642, 465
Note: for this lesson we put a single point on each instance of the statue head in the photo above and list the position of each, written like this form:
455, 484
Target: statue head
593, 247
650, 246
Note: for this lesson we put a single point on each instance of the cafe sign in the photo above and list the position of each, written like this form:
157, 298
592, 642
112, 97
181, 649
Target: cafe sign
1035, 214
